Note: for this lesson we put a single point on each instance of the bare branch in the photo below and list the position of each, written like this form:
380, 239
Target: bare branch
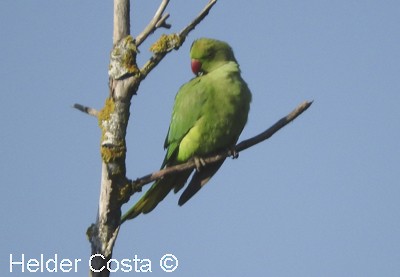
162, 22
154, 60
121, 19
113, 117
157, 21
183, 34
87, 110
274, 128
139, 183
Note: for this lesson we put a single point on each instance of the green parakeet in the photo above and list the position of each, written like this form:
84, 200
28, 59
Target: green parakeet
209, 114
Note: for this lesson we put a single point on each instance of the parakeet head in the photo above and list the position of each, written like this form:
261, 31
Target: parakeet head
208, 54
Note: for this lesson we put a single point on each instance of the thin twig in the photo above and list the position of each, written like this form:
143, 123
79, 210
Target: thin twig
183, 34
162, 22
87, 110
274, 128
154, 60
140, 182
157, 21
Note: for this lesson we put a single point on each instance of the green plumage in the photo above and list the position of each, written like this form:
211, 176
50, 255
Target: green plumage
209, 114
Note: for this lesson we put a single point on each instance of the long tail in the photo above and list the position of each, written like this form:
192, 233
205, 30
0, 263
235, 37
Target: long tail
199, 179
156, 194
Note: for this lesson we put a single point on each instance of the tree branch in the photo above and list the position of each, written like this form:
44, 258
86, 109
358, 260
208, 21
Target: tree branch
157, 22
274, 128
155, 59
183, 34
140, 182
121, 19
87, 110
113, 121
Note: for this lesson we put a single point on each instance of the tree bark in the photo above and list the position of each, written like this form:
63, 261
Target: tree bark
104, 232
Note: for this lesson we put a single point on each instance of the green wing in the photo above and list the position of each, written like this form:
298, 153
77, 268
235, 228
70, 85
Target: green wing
186, 112
188, 106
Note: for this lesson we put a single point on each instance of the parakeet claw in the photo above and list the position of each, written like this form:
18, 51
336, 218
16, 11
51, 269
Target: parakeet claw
199, 162
233, 153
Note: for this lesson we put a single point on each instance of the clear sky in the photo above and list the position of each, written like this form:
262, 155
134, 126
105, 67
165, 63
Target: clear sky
320, 198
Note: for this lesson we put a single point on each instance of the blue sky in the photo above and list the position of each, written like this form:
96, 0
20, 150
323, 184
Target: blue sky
320, 198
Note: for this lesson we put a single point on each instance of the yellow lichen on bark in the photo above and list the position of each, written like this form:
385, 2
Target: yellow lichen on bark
104, 114
129, 59
165, 43
123, 59
117, 149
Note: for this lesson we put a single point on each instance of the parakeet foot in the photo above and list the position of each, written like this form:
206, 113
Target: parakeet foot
233, 153
199, 162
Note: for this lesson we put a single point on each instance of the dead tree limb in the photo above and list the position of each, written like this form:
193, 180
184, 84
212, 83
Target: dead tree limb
175, 40
159, 20
87, 110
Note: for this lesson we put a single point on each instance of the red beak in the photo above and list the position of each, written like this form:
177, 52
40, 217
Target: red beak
196, 66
